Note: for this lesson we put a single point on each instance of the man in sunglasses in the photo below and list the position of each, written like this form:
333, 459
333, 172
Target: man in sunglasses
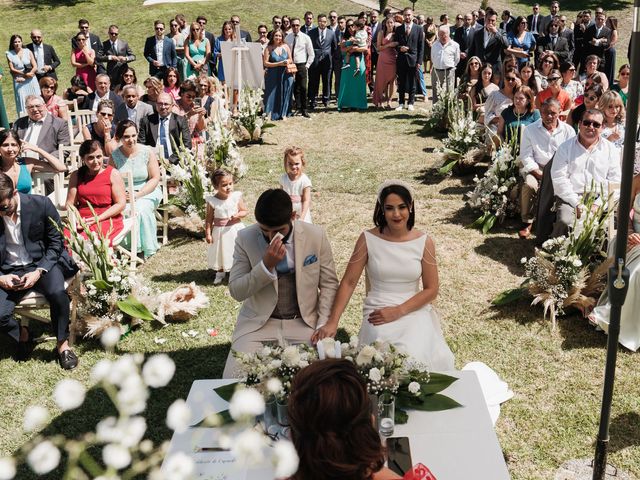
116, 53
160, 51
45, 55
578, 163
33, 257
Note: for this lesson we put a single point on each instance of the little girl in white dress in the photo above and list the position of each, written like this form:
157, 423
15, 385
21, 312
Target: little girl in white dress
225, 210
296, 183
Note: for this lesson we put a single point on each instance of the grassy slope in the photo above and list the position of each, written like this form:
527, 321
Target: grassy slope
556, 376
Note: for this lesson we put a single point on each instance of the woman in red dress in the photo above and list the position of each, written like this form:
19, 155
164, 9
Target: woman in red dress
100, 187
83, 59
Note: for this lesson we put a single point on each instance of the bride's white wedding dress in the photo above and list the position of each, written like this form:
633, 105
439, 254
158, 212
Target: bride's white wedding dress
394, 274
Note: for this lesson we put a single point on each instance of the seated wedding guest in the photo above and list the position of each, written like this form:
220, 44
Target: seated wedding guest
522, 43
132, 108
591, 67
33, 259
19, 167
629, 319
185, 107
171, 83
591, 98
142, 161
573, 87
470, 77
611, 105
278, 82
165, 129
578, 163
40, 128
98, 187
104, 128
528, 77
547, 63
622, 85
284, 274
481, 91
500, 99
554, 90
330, 413
55, 105
154, 87
509, 62
213, 100
102, 92
77, 91
539, 142
128, 78
515, 117
554, 43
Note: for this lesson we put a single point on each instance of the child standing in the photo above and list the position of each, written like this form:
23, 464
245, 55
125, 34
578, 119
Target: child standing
360, 41
225, 210
296, 183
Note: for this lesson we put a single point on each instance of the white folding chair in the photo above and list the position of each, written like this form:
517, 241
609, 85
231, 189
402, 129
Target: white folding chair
81, 118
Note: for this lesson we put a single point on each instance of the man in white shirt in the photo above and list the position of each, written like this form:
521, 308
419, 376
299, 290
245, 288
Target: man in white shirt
103, 92
578, 163
539, 143
445, 55
303, 55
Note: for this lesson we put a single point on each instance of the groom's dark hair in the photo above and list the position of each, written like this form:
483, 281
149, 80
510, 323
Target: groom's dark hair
273, 208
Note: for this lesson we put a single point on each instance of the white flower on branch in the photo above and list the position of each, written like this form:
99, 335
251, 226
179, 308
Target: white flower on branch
69, 394
44, 457
248, 448
178, 416
158, 370
110, 337
116, 456
178, 466
35, 418
246, 404
7, 468
285, 459
274, 386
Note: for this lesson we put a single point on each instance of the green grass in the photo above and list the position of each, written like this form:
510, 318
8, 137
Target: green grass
556, 376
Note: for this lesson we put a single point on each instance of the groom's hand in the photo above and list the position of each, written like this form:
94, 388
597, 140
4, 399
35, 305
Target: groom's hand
384, 315
323, 332
274, 254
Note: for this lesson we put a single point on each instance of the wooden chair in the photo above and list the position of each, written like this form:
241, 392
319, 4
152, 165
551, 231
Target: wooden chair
131, 227
162, 214
79, 119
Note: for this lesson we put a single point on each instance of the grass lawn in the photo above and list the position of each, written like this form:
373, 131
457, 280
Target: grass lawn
556, 376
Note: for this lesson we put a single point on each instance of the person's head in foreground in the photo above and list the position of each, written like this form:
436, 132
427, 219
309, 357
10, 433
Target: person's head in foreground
331, 423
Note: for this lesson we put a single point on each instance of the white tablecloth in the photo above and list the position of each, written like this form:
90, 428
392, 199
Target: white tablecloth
457, 444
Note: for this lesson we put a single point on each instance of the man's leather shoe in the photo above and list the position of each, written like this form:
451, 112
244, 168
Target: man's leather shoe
67, 359
306, 115
525, 232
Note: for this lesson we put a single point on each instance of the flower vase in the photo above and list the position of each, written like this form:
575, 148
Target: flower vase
281, 412
373, 398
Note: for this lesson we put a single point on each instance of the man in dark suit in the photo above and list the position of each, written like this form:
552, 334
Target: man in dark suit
488, 43
165, 129
597, 38
117, 53
160, 51
103, 92
94, 42
507, 20
213, 60
554, 8
375, 28
567, 33
41, 128
132, 108
336, 61
33, 257
553, 42
463, 36
534, 20
308, 23
410, 38
45, 55
324, 47
244, 35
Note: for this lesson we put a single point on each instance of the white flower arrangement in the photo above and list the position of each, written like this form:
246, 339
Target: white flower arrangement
193, 180
221, 150
250, 122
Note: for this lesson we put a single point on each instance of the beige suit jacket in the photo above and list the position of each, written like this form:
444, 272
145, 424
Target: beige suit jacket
316, 282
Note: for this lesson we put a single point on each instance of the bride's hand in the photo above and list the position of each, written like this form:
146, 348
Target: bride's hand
384, 315
324, 332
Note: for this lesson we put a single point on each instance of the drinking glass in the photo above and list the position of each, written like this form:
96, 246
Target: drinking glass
386, 414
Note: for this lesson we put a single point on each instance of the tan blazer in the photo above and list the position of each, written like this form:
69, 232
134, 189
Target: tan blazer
316, 281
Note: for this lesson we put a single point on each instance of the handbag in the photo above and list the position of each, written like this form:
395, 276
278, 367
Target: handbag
292, 68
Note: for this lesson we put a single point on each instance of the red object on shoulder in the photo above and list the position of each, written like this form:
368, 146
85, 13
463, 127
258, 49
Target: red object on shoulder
419, 472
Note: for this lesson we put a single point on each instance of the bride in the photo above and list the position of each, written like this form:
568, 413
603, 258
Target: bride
397, 259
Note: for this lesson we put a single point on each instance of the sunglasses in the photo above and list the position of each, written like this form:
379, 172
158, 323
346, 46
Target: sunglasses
105, 114
548, 61
589, 123
159, 29
625, 74
510, 79
113, 33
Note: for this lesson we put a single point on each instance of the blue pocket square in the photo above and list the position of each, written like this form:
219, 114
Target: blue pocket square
309, 260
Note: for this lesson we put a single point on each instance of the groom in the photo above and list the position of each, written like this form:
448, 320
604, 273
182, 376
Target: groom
287, 284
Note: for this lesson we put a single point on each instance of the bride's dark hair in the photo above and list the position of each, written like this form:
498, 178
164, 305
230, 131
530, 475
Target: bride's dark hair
378, 214
331, 423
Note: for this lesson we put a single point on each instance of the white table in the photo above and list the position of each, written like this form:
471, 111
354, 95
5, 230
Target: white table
457, 444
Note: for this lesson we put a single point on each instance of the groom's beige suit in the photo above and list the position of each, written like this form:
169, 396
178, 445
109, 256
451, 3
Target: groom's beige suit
249, 282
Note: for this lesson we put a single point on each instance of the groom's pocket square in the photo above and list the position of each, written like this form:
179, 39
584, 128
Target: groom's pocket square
310, 260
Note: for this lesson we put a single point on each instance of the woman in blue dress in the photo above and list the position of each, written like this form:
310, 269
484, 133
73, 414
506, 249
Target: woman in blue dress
522, 43
142, 161
23, 66
197, 52
353, 88
228, 35
277, 82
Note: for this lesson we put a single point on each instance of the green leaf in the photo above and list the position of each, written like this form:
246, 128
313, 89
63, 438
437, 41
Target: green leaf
267, 125
224, 418
436, 403
101, 285
447, 167
226, 391
479, 221
437, 383
401, 417
509, 296
134, 308
488, 225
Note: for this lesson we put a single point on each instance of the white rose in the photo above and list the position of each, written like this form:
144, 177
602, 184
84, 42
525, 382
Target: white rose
69, 394
523, 260
275, 364
158, 370
577, 263
375, 375
8, 468
366, 355
274, 386
291, 356
414, 388
110, 337
44, 457
246, 403
35, 418
116, 456
178, 466
329, 345
266, 351
178, 416
285, 459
